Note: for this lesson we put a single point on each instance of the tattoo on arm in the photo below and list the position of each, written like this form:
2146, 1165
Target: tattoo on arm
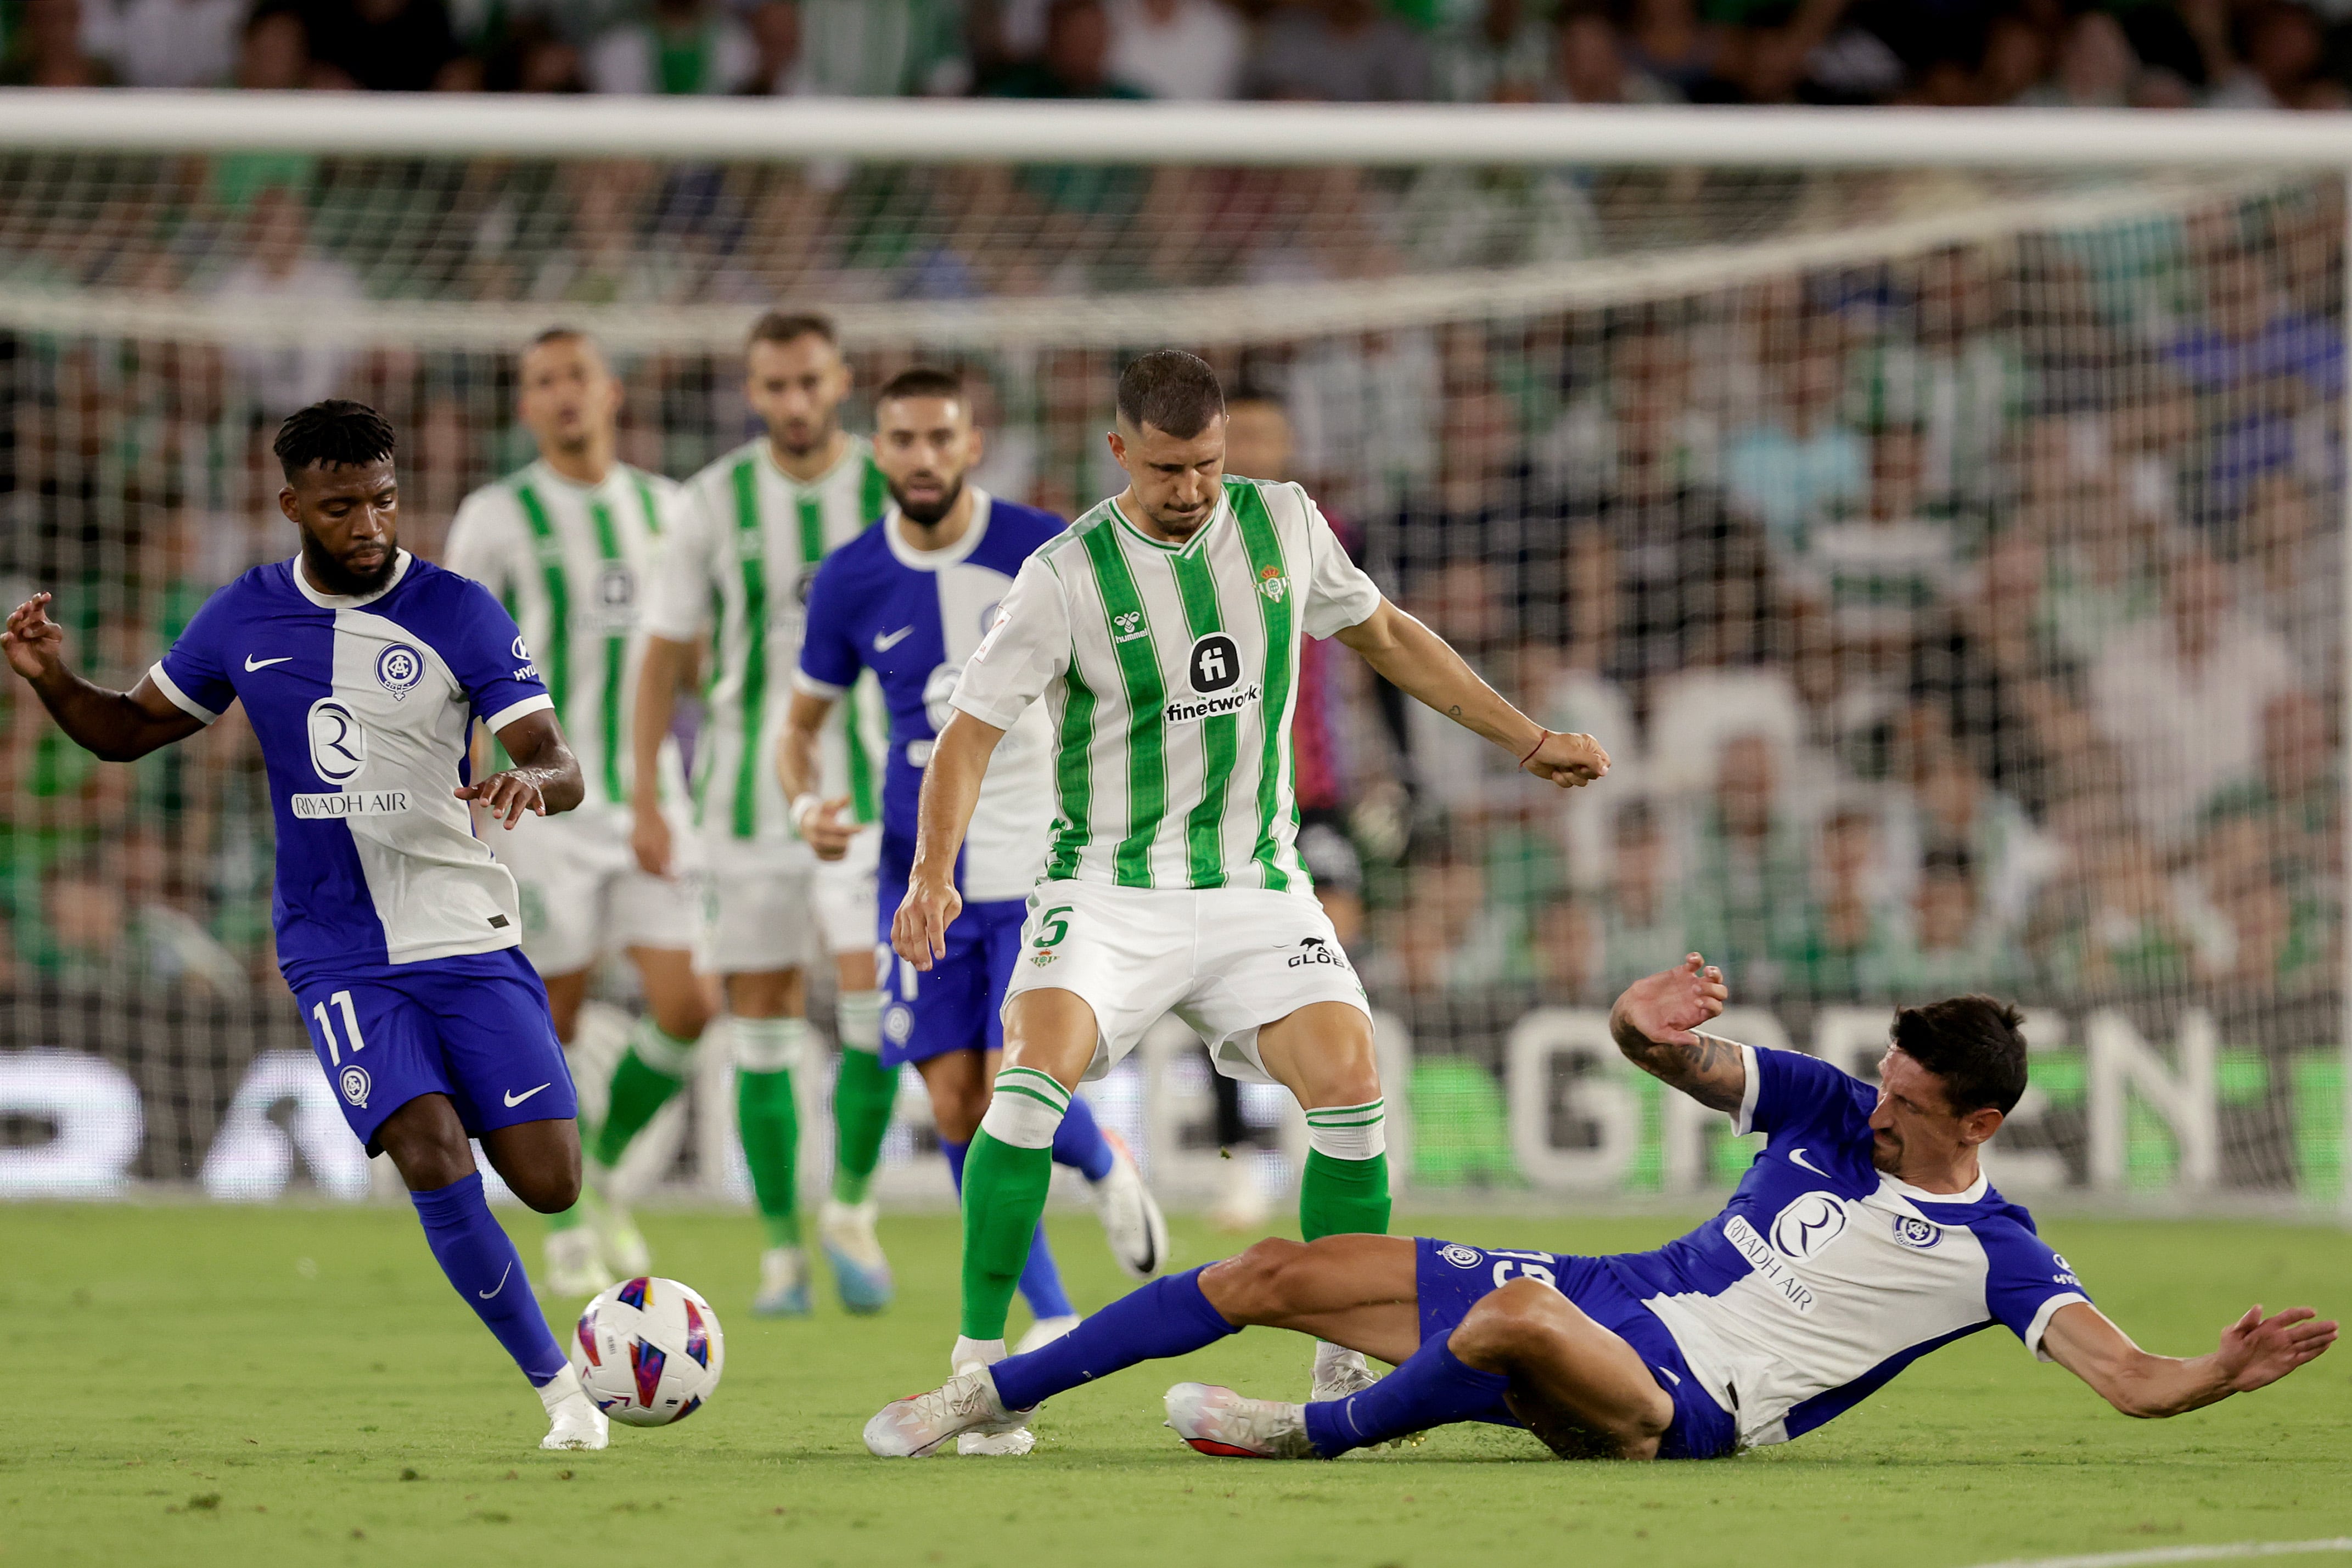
1710, 1072
1456, 711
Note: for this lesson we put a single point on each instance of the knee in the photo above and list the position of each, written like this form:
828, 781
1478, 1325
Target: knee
956, 1111
1250, 1287
682, 1017
1507, 1325
549, 1187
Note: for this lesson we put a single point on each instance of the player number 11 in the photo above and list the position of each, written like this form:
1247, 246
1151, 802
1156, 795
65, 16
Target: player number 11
343, 1000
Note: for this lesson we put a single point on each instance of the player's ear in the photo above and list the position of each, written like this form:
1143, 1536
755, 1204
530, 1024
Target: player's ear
286, 504
1117, 450
1978, 1126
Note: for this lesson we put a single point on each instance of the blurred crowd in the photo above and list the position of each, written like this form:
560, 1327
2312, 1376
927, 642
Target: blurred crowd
2156, 54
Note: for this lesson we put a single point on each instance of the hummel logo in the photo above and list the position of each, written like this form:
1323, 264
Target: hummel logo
252, 663
885, 641
501, 1285
1797, 1157
515, 1100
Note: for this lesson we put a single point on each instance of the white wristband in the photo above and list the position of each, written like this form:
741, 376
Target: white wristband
802, 806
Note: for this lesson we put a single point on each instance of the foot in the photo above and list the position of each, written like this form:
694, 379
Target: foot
918, 1427
574, 1265
1339, 1372
860, 1272
1241, 1205
995, 1444
1220, 1422
783, 1284
572, 1422
1132, 1223
1045, 1332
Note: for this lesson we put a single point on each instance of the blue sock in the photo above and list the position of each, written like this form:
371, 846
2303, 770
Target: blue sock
473, 1250
1041, 1281
1433, 1388
1078, 1142
1168, 1317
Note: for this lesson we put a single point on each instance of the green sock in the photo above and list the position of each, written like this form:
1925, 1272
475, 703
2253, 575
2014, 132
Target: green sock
863, 1096
1343, 1197
765, 1051
653, 1069
1003, 1197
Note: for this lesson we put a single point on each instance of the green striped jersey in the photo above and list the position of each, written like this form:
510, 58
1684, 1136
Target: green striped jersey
1169, 672
745, 540
571, 564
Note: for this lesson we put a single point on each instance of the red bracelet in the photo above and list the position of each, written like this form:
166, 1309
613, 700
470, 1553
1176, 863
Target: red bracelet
1547, 734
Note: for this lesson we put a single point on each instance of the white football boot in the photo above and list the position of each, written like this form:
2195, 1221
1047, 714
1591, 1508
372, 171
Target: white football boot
977, 1355
1045, 1332
1240, 1206
1220, 1422
573, 1421
1339, 1372
575, 1265
1132, 1223
860, 1271
918, 1427
783, 1284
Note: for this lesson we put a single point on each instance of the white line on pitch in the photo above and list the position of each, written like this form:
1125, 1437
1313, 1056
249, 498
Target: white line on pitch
2227, 1548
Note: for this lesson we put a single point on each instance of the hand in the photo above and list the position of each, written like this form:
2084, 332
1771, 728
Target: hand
1570, 761
2256, 1350
36, 645
919, 932
505, 795
1668, 1006
823, 829
649, 841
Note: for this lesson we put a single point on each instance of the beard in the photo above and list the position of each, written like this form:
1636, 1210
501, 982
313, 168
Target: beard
336, 577
927, 514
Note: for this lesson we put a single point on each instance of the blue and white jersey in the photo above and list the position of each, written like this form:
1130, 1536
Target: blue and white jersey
363, 704
1823, 1278
913, 617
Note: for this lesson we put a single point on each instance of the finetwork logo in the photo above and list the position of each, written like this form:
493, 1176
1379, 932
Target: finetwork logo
1191, 710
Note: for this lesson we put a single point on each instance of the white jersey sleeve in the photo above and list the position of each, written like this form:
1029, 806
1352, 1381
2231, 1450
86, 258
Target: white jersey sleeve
677, 598
1022, 653
482, 539
1339, 594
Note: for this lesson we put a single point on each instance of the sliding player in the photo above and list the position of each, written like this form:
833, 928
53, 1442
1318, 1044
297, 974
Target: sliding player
362, 670
910, 600
1865, 1235
565, 544
1162, 630
748, 534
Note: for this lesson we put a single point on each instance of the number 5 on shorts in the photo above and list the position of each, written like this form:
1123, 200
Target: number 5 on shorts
1052, 927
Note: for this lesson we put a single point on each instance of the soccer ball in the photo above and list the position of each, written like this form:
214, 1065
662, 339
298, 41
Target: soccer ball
649, 1351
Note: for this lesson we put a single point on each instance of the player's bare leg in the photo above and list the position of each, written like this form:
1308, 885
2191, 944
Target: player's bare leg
540, 1162
1576, 1385
1324, 1055
771, 1041
864, 1091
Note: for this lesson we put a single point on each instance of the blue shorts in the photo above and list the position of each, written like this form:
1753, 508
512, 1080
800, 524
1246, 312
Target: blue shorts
474, 1028
956, 1004
1450, 1278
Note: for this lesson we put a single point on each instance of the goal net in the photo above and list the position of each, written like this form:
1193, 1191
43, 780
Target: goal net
1950, 561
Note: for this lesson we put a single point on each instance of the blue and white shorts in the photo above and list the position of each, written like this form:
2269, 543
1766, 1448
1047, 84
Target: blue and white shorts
958, 1003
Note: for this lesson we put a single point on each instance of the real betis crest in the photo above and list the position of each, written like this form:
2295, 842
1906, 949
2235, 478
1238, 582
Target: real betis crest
1271, 583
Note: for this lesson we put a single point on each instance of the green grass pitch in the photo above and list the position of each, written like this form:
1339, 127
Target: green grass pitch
195, 1385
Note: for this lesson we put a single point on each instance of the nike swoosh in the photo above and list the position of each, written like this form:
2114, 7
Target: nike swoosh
515, 1100
1796, 1157
885, 641
501, 1285
252, 663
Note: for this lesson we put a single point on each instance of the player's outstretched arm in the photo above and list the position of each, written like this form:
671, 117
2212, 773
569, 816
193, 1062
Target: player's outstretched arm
2254, 1352
660, 673
819, 821
544, 779
919, 932
1422, 664
1654, 1021
115, 727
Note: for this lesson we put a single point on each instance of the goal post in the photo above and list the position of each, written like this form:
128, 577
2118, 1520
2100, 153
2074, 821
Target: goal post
1893, 481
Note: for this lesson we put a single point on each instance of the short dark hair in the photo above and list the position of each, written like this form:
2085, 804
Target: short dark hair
1170, 391
1975, 1044
783, 326
920, 381
335, 434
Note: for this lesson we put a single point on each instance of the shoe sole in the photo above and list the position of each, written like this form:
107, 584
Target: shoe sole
1224, 1450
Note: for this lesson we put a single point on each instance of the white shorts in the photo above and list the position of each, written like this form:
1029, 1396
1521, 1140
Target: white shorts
1225, 960
757, 914
845, 894
584, 896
